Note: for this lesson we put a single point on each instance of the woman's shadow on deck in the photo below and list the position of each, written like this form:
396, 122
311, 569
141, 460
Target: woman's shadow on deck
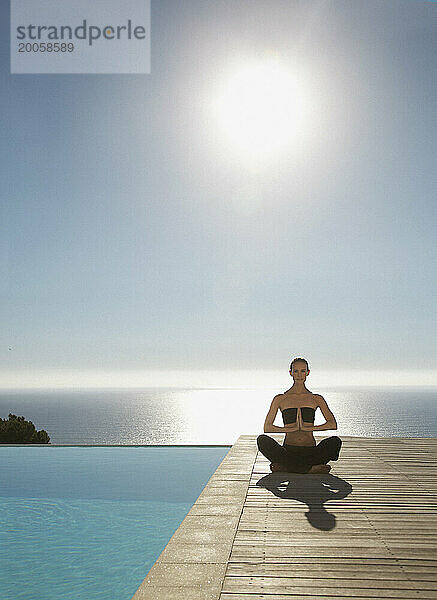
312, 490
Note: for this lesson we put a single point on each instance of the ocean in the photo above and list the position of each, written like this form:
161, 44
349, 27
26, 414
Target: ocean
211, 416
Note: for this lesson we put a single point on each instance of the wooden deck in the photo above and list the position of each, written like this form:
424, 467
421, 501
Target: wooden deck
366, 530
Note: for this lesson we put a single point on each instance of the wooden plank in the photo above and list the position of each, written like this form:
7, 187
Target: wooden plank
284, 585
307, 594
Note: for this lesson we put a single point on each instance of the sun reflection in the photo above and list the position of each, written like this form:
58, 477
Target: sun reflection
218, 415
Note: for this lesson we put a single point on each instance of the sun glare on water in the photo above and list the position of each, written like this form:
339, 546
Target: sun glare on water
263, 108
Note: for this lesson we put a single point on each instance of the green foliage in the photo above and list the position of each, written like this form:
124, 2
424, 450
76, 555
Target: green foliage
16, 430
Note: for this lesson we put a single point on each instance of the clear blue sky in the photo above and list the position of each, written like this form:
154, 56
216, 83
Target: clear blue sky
133, 240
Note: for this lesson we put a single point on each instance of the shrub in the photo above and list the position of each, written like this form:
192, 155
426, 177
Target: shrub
16, 430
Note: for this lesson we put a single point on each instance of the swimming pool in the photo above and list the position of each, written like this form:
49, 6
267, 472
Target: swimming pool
82, 522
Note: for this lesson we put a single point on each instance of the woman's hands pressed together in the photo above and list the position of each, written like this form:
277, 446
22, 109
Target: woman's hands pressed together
299, 424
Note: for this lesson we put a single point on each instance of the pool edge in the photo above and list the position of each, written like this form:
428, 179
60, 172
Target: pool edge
194, 561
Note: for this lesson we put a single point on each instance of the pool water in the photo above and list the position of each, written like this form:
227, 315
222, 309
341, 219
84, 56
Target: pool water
89, 522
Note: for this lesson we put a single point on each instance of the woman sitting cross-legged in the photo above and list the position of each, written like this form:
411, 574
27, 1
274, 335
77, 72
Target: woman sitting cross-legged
299, 452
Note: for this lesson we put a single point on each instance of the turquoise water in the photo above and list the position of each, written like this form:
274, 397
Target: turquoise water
82, 522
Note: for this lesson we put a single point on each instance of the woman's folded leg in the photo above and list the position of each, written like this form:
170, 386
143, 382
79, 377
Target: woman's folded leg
299, 459
329, 449
271, 449
287, 456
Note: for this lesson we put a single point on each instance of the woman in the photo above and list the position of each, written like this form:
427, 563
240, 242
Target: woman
299, 452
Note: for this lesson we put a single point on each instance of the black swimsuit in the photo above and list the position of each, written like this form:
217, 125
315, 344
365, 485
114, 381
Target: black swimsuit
289, 415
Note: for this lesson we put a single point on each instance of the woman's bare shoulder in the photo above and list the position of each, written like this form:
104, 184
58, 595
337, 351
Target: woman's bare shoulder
319, 400
278, 399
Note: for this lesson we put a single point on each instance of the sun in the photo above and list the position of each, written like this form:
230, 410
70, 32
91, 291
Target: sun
261, 108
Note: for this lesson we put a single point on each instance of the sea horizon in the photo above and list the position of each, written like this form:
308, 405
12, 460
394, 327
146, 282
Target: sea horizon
216, 415
209, 379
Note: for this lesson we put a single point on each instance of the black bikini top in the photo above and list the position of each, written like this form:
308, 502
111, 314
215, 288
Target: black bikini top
289, 415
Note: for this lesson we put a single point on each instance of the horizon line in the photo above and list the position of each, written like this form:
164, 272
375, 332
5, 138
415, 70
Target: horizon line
208, 378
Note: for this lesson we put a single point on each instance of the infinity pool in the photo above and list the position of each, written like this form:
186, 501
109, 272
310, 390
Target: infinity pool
83, 523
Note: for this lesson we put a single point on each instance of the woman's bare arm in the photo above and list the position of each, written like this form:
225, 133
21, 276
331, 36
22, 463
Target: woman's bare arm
271, 415
330, 422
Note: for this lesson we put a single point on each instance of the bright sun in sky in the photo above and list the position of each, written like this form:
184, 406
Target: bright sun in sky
262, 107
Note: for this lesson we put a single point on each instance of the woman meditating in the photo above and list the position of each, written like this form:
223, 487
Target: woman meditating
299, 452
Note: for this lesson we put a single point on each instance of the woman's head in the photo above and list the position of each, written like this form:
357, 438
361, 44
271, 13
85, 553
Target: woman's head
299, 366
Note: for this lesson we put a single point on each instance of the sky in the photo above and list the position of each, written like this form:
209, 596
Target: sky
140, 238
